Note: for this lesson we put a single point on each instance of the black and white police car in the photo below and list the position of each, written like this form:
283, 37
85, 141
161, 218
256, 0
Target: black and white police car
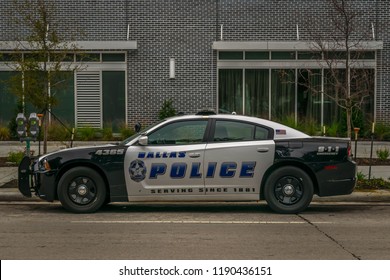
196, 158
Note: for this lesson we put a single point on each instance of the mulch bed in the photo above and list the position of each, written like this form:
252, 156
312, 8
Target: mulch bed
4, 162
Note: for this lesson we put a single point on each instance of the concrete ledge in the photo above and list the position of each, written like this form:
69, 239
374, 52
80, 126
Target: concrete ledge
13, 194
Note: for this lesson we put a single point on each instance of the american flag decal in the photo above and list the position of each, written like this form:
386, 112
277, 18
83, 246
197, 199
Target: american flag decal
281, 131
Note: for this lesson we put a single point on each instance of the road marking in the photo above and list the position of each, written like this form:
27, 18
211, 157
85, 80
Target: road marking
195, 222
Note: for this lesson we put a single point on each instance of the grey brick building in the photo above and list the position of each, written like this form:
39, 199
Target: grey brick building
227, 55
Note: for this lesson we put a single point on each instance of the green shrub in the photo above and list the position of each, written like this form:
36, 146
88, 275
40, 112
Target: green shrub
310, 126
4, 133
333, 130
87, 133
58, 132
167, 110
126, 132
360, 176
289, 120
15, 157
382, 132
107, 133
383, 154
374, 184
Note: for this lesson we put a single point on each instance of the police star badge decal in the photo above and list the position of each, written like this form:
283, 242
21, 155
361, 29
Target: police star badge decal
137, 170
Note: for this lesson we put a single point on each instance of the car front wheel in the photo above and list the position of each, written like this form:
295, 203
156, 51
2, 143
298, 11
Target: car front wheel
288, 190
81, 190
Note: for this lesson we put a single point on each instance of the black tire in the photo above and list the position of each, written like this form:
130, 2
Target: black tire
81, 190
288, 190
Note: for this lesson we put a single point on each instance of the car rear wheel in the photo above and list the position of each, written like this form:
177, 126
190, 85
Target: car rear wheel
288, 190
81, 190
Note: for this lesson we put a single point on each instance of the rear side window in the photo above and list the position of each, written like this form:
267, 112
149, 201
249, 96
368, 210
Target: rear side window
231, 131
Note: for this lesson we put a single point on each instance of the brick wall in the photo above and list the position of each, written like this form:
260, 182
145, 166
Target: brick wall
185, 29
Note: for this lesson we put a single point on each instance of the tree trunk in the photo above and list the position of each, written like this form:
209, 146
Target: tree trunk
349, 123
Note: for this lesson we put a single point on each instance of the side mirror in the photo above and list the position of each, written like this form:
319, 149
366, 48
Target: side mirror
137, 127
143, 140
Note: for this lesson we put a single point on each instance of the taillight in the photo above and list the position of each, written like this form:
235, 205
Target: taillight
349, 149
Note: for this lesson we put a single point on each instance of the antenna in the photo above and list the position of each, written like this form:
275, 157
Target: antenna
128, 32
297, 33
221, 32
373, 31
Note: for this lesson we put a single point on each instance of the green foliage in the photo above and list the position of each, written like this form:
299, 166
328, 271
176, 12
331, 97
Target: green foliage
107, 133
12, 123
310, 127
360, 176
334, 130
383, 154
86, 133
382, 132
289, 120
15, 157
167, 110
373, 184
57, 132
4, 133
126, 132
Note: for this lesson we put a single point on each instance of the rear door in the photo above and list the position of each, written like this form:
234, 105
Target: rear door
236, 159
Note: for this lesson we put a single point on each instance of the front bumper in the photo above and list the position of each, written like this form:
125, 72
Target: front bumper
31, 180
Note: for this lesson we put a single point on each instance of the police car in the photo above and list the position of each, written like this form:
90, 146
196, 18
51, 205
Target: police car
197, 158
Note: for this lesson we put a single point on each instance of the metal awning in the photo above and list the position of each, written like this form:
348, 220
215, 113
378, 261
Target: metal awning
72, 45
292, 45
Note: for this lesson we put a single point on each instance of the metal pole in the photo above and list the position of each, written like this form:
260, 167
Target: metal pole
356, 129
372, 147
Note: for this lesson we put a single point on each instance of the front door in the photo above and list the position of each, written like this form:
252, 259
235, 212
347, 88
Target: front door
170, 165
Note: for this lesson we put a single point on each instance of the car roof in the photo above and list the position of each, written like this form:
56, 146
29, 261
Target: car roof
281, 131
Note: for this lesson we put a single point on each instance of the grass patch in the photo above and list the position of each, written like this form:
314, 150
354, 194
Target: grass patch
15, 157
373, 184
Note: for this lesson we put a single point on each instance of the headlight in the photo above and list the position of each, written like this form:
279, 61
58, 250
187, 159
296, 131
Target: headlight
44, 165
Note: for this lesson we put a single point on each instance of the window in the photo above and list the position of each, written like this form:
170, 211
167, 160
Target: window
113, 57
257, 92
88, 57
231, 55
310, 55
179, 133
114, 99
10, 56
231, 131
257, 55
282, 94
283, 55
362, 55
8, 100
230, 91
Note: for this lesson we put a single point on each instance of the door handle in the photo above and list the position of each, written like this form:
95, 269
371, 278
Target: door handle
194, 155
262, 150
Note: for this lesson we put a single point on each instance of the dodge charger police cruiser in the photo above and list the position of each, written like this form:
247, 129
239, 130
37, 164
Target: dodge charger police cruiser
196, 158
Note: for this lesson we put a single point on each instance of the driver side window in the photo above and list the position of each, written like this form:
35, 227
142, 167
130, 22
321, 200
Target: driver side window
179, 133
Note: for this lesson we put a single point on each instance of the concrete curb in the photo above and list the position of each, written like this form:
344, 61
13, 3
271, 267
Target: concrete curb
13, 194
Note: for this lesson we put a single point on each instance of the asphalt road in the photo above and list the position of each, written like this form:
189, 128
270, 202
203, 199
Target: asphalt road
39, 230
